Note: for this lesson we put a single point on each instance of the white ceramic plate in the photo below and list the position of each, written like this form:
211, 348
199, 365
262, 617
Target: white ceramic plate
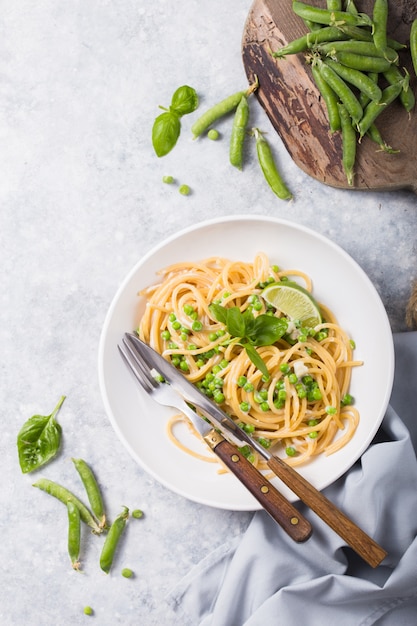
338, 282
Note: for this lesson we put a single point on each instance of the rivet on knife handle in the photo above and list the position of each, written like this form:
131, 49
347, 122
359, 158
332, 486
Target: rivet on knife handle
354, 536
278, 507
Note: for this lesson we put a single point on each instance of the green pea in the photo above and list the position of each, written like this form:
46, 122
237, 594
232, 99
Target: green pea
169, 180
237, 138
137, 513
88, 610
112, 540
184, 190
268, 167
349, 142
331, 410
127, 572
213, 134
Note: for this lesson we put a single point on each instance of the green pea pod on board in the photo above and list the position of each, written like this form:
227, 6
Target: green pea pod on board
380, 19
112, 540
413, 44
349, 143
330, 99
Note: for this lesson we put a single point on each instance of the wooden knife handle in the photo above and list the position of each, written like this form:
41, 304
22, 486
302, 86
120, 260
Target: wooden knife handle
278, 507
354, 536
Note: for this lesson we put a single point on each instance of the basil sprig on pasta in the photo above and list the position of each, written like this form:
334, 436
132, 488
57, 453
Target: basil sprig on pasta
263, 330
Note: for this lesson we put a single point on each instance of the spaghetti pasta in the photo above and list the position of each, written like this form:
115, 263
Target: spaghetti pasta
303, 407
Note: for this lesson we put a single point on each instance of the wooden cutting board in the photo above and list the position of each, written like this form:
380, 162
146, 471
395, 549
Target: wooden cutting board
292, 102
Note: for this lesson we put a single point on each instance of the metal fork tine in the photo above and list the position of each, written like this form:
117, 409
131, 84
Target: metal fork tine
135, 369
138, 360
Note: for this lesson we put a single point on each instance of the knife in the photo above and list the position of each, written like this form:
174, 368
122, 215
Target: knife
354, 536
280, 509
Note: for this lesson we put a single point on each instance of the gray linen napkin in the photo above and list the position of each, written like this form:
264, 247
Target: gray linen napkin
263, 578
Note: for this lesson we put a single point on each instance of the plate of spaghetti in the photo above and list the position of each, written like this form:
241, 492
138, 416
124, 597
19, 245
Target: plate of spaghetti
277, 325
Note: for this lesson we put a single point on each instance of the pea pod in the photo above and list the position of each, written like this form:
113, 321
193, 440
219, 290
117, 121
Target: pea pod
360, 34
65, 496
374, 134
92, 490
112, 540
237, 137
349, 141
380, 19
351, 7
74, 534
326, 16
301, 44
220, 109
268, 167
374, 109
364, 99
339, 86
329, 97
334, 5
359, 79
366, 48
362, 62
407, 98
413, 44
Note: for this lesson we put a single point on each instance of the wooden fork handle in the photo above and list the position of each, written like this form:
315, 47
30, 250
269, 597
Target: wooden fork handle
354, 536
278, 507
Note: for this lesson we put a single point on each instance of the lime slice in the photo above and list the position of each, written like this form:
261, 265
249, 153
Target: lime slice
293, 301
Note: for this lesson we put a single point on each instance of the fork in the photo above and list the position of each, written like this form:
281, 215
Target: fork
278, 507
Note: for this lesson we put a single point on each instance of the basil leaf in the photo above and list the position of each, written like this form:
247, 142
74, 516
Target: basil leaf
39, 440
256, 359
219, 312
184, 100
267, 329
235, 322
165, 132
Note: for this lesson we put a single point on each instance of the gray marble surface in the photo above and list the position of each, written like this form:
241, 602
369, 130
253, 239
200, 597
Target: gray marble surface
81, 201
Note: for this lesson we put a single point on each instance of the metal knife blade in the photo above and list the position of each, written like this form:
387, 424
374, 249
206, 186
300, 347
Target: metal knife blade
354, 536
